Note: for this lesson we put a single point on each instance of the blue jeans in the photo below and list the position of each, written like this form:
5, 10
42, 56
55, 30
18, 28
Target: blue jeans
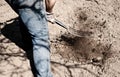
34, 17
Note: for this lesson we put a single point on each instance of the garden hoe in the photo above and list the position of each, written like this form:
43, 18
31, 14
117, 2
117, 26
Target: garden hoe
73, 31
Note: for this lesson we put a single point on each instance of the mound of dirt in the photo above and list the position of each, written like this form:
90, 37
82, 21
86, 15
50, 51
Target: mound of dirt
98, 16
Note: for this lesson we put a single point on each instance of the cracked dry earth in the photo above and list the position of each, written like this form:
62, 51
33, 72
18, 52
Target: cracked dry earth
70, 56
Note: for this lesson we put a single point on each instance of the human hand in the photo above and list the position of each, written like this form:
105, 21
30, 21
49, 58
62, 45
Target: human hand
50, 17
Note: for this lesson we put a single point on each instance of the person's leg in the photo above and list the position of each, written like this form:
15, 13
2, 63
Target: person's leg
26, 39
34, 19
27, 45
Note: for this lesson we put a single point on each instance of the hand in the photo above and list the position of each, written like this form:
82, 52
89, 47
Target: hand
50, 18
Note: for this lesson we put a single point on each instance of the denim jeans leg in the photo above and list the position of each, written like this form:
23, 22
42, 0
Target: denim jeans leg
33, 16
37, 26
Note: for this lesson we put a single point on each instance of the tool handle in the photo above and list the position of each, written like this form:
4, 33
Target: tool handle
60, 23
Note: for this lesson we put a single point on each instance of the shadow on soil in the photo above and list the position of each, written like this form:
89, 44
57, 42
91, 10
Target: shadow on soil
17, 33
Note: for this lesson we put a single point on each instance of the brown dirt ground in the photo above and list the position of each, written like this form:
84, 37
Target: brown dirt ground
70, 56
